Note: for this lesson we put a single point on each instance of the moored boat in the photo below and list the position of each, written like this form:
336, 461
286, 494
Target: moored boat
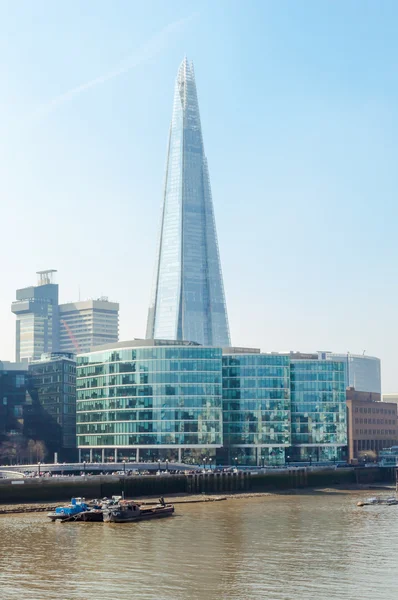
392, 501
128, 511
61, 513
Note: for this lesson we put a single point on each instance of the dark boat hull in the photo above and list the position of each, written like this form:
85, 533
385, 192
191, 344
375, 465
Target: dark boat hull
62, 517
91, 516
124, 517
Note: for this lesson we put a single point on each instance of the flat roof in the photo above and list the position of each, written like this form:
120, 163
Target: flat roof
142, 343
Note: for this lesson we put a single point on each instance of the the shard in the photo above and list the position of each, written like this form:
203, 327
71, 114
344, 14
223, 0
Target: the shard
187, 300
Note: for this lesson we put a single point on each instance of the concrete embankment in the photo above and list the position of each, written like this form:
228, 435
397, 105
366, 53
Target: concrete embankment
43, 490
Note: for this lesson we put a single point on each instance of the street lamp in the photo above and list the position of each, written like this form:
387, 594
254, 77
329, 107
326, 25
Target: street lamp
84, 467
124, 467
38, 468
159, 465
263, 461
236, 462
310, 457
287, 460
167, 465
210, 459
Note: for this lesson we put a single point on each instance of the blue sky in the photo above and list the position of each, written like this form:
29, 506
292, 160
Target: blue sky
299, 114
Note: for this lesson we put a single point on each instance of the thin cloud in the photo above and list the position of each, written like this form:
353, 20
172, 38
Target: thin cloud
149, 49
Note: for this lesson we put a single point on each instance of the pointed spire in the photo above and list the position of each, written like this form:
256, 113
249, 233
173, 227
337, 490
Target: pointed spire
187, 303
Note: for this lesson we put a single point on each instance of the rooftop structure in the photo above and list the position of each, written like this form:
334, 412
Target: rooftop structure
390, 398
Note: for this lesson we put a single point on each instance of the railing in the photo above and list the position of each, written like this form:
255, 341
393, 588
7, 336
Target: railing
11, 475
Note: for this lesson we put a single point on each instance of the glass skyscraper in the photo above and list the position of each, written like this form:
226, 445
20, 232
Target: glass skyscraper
188, 300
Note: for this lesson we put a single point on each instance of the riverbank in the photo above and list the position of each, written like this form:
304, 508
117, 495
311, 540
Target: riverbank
200, 498
51, 490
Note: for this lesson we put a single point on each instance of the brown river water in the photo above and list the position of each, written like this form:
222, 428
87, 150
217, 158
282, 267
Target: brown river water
303, 547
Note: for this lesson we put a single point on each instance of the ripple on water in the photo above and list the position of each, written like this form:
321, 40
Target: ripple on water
280, 548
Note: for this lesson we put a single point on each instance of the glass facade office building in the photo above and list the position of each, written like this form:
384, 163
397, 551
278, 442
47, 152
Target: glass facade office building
318, 410
54, 382
188, 300
37, 327
14, 395
363, 372
149, 400
256, 408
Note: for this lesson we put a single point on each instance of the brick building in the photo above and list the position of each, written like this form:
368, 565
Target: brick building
372, 426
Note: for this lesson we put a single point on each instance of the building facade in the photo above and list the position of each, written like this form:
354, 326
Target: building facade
157, 399
188, 300
149, 400
372, 427
37, 327
53, 380
14, 386
363, 372
318, 410
89, 323
22, 422
256, 407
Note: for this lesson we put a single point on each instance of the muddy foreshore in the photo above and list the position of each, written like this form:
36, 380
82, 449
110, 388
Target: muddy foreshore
9, 509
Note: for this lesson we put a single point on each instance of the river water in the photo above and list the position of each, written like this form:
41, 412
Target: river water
304, 547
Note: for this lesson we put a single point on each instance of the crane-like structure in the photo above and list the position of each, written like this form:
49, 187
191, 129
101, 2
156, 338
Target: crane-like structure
71, 336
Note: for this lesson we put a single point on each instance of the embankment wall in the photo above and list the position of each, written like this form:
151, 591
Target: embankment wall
53, 489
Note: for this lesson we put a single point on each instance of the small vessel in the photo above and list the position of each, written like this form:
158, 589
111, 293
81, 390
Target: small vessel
128, 511
77, 506
391, 501
81, 511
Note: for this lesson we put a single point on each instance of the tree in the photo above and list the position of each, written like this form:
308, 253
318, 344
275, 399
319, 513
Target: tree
367, 455
15, 449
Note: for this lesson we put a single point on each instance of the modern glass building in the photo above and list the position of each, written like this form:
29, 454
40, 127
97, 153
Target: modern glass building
256, 407
37, 327
363, 372
14, 386
24, 425
188, 300
53, 379
149, 400
318, 410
